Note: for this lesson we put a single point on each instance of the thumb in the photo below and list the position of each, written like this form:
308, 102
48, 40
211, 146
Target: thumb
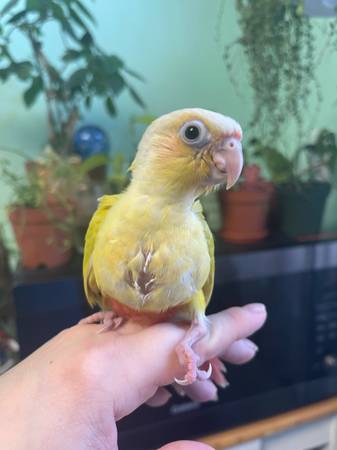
186, 445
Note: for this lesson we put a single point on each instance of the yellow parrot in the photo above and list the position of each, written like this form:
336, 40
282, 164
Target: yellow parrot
149, 253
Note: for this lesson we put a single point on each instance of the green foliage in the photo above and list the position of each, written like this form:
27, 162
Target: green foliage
26, 191
311, 162
83, 72
278, 43
118, 178
51, 175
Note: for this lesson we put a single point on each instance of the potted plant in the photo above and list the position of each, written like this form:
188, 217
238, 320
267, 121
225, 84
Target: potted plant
245, 209
51, 192
84, 70
41, 212
277, 41
45, 211
303, 183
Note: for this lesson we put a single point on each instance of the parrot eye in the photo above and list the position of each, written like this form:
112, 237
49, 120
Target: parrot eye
194, 133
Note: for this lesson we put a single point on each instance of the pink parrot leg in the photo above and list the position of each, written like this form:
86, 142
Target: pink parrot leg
187, 356
109, 319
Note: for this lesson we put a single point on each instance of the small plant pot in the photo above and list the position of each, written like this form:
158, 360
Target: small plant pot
245, 215
301, 209
42, 243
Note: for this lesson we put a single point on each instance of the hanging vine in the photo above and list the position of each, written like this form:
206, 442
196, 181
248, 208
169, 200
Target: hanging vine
277, 39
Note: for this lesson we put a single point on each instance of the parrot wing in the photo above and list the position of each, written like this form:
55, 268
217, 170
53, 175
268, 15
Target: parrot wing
90, 285
208, 286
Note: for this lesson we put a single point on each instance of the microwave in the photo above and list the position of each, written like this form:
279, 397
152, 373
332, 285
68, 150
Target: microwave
297, 360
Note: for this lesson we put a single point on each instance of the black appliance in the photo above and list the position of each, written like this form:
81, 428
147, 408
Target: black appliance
297, 361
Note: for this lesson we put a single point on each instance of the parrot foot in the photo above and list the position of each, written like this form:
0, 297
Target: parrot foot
109, 319
188, 358
218, 373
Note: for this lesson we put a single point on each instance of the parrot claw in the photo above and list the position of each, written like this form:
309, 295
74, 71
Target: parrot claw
182, 382
204, 374
219, 369
200, 375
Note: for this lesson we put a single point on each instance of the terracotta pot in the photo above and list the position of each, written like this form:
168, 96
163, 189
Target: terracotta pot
41, 242
245, 214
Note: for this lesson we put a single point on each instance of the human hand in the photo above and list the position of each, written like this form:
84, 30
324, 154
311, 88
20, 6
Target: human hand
71, 391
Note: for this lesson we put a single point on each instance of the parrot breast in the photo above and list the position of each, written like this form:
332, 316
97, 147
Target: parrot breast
150, 258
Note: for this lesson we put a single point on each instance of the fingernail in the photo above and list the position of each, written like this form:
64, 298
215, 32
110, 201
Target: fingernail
222, 367
257, 308
180, 391
250, 346
223, 384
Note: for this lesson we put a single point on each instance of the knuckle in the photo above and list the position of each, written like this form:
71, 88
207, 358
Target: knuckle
236, 317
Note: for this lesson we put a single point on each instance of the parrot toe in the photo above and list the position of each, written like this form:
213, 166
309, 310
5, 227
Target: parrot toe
187, 356
219, 369
189, 360
109, 319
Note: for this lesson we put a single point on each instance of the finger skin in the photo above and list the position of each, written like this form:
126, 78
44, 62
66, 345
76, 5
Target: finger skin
229, 326
161, 397
160, 368
202, 391
92, 380
240, 352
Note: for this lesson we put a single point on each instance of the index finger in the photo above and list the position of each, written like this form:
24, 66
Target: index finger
228, 326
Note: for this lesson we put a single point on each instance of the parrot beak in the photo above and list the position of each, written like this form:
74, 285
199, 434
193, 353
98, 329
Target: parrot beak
228, 160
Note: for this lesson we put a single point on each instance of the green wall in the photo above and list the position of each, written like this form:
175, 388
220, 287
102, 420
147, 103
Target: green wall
177, 45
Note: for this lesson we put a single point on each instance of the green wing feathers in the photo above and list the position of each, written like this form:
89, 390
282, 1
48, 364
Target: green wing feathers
90, 286
208, 286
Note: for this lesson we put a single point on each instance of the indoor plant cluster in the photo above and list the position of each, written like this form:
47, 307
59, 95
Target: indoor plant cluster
293, 203
52, 203
83, 73
53, 200
279, 44
43, 209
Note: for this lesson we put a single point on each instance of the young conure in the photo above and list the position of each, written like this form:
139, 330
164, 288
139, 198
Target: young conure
149, 254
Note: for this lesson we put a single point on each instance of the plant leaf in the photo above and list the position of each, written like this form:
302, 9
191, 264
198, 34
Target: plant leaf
53, 73
71, 55
17, 16
136, 97
110, 107
134, 74
63, 20
93, 162
87, 39
84, 11
33, 91
88, 101
77, 18
77, 78
4, 73
117, 83
114, 61
22, 69
8, 7
35, 5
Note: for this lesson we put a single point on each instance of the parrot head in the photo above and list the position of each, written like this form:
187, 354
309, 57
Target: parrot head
189, 150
